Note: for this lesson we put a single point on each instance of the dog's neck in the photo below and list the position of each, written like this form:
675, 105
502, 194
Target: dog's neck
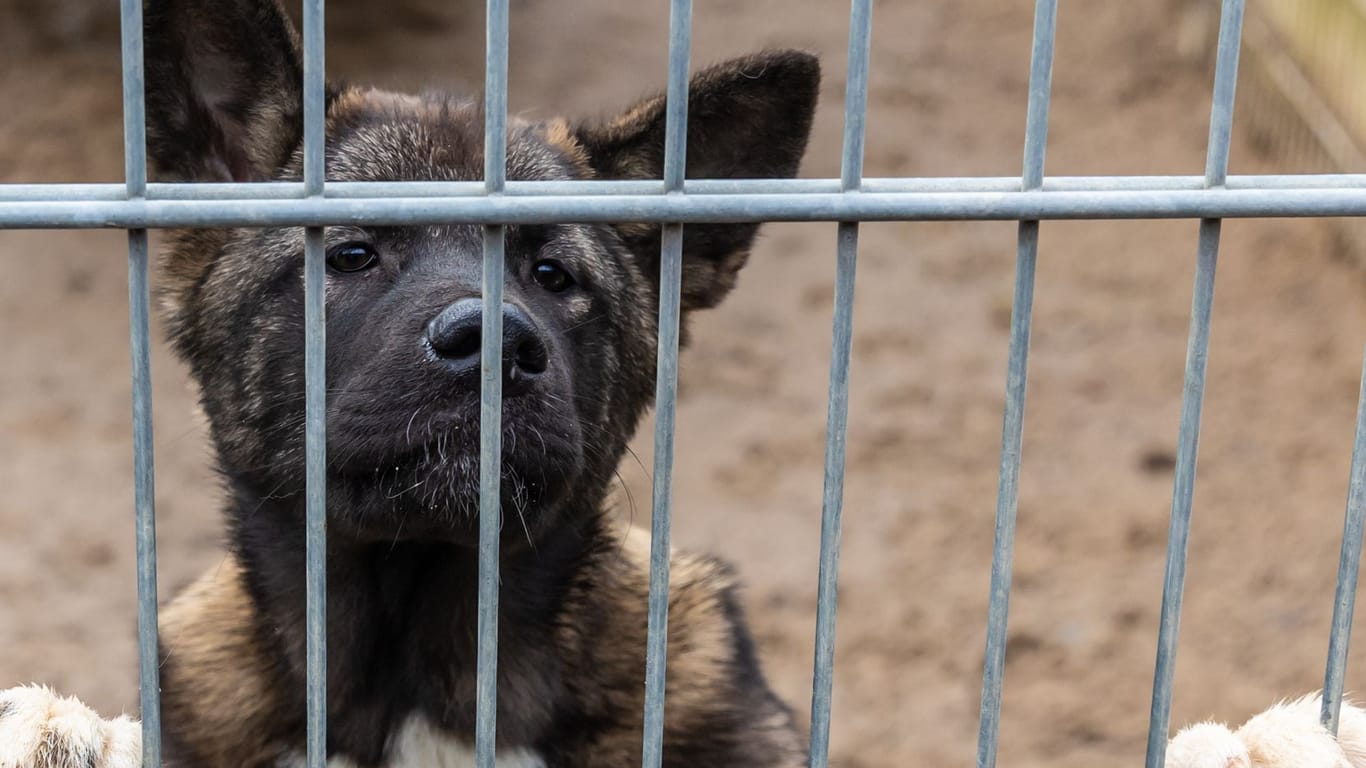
402, 623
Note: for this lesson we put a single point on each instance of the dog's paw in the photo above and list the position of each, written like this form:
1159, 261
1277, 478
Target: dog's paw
39, 729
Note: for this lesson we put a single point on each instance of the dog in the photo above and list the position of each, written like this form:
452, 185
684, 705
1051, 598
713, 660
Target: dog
403, 328
1288, 735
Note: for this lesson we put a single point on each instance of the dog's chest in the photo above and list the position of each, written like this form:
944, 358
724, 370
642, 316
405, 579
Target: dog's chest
418, 745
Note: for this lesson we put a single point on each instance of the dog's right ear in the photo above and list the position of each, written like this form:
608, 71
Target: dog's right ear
224, 89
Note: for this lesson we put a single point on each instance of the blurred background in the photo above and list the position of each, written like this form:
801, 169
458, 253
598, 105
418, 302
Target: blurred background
948, 89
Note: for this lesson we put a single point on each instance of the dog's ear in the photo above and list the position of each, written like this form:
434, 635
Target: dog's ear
748, 118
224, 89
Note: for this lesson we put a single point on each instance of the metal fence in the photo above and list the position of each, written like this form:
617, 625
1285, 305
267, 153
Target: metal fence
674, 202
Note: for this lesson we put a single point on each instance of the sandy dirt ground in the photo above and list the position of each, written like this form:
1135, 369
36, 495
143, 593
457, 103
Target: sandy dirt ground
947, 98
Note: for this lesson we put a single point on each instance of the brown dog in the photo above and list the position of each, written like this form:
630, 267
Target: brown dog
403, 329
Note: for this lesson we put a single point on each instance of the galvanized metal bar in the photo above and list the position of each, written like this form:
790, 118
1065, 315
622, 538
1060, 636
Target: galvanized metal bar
666, 384
134, 103
490, 497
1197, 350
376, 190
496, 98
1040, 93
1017, 367
832, 500
315, 106
145, 500
1349, 565
688, 209
666, 391
315, 389
491, 387
837, 408
676, 97
315, 522
1183, 492
1225, 88
144, 476
856, 95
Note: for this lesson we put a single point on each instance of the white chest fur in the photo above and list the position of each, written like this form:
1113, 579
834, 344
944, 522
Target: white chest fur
419, 745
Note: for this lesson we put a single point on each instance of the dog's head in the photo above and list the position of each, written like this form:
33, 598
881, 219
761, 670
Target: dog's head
404, 303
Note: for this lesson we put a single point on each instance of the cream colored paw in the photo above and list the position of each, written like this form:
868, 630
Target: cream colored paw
39, 729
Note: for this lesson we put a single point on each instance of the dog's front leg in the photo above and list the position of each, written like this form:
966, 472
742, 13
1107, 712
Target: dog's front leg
39, 729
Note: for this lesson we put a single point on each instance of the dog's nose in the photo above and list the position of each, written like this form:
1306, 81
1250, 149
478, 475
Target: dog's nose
456, 333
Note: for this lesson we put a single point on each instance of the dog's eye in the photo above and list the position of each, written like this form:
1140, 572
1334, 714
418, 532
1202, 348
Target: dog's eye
550, 275
352, 257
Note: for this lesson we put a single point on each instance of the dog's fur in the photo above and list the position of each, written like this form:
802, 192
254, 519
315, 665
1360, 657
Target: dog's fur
224, 104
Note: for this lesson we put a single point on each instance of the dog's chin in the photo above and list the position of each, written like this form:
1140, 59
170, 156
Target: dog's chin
435, 496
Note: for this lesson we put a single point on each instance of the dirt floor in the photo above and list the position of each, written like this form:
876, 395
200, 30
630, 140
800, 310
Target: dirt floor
948, 97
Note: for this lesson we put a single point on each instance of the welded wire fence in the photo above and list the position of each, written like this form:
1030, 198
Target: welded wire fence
674, 202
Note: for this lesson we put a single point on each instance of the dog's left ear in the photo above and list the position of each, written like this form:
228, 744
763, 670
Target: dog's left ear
224, 89
748, 118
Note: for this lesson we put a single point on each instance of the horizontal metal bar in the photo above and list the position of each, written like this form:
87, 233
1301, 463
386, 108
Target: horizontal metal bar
418, 189
853, 206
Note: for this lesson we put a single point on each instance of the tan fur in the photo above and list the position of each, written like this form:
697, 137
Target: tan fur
698, 677
223, 105
39, 729
1288, 735
182, 266
208, 633
560, 135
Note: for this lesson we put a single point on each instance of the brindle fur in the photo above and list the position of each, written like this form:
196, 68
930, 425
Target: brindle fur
224, 104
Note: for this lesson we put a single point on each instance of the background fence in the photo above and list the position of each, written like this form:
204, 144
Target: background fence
1302, 102
1031, 198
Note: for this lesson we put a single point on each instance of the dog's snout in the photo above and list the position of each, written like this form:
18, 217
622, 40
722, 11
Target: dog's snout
455, 336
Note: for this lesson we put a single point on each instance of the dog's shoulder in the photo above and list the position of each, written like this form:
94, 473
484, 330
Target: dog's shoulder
719, 707
224, 698
221, 692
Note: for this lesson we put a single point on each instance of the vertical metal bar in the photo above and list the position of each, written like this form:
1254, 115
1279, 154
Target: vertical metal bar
144, 479
134, 106
315, 401
1225, 88
856, 95
491, 387
1017, 367
315, 105
676, 117
832, 501
837, 416
1197, 350
1040, 93
666, 383
1349, 564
